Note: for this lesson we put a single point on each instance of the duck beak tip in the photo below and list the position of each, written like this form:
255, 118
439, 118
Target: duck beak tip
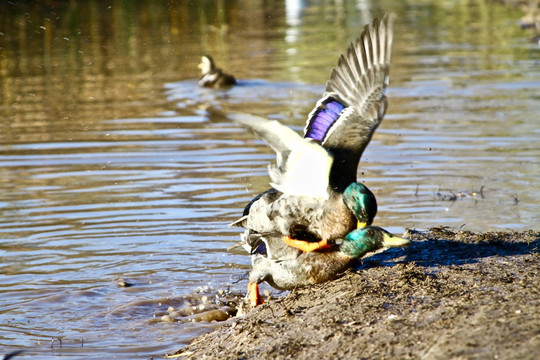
396, 241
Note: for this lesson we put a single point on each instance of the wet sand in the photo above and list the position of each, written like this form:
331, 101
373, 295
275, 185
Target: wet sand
449, 295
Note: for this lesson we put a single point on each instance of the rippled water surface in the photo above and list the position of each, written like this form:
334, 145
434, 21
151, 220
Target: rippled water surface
115, 167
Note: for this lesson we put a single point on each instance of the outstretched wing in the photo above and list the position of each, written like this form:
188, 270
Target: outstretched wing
354, 104
303, 166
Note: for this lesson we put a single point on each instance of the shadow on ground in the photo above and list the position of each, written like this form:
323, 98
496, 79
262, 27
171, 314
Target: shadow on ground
441, 246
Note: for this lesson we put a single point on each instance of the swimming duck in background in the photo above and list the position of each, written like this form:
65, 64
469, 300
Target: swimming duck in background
285, 268
306, 203
213, 76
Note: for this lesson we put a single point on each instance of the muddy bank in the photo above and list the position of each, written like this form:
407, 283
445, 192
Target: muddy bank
449, 295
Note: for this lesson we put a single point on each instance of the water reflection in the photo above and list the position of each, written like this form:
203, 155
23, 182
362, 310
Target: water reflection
115, 165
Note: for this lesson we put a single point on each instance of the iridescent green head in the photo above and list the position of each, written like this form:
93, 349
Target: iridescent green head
362, 203
359, 242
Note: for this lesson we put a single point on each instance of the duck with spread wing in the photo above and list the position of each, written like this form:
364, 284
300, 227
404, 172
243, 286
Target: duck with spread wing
306, 202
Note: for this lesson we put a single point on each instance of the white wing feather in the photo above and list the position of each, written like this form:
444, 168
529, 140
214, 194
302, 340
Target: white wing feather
303, 166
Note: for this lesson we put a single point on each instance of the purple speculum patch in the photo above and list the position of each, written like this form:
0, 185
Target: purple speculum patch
323, 119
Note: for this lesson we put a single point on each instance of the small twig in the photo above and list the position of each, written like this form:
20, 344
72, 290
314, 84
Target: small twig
56, 339
516, 200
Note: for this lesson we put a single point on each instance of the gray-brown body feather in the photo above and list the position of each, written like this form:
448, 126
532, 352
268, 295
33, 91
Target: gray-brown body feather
285, 268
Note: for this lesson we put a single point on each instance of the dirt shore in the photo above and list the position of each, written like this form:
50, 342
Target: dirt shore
450, 295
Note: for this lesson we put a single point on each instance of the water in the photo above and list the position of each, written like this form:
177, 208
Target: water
114, 165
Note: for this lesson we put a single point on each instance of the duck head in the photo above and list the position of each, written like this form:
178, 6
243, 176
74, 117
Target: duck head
362, 203
370, 238
207, 64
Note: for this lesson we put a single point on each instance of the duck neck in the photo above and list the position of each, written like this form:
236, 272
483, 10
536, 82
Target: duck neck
343, 172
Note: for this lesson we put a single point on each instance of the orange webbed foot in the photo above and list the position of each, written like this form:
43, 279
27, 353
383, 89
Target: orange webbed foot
306, 246
253, 294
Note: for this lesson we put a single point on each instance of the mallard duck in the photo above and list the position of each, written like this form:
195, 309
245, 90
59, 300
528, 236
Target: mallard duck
285, 268
212, 76
305, 203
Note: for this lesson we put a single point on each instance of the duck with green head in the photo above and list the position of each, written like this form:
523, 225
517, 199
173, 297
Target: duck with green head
312, 173
285, 268
357, 198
